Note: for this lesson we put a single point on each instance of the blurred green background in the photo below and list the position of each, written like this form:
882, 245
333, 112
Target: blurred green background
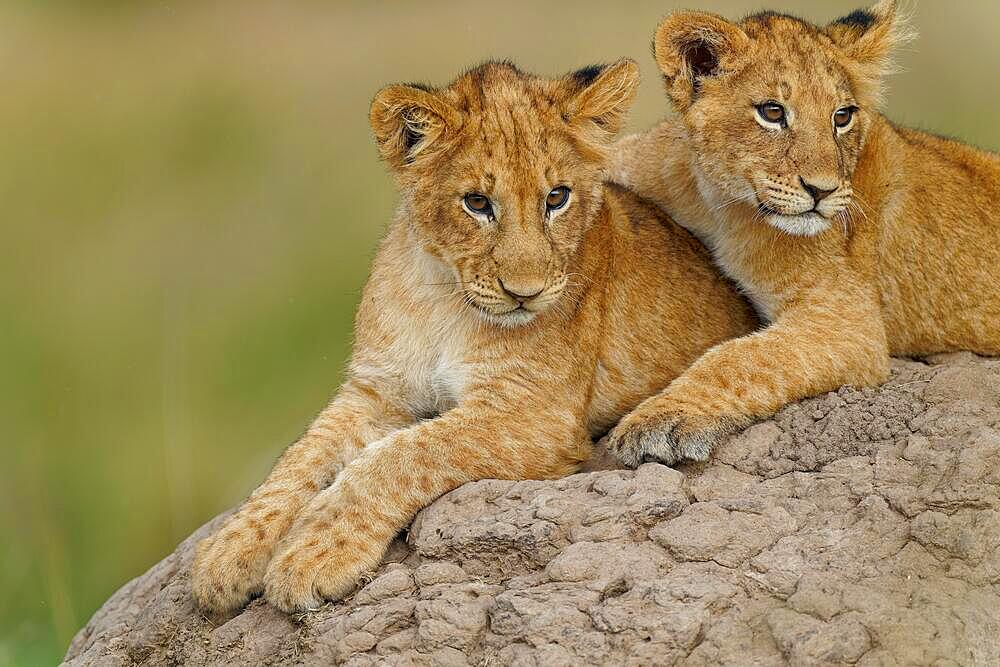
190, 200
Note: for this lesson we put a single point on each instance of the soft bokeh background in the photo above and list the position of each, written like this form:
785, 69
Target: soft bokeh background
190, 199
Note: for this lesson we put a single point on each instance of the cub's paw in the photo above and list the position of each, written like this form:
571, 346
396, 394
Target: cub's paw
665, 436
320, 561
229, 567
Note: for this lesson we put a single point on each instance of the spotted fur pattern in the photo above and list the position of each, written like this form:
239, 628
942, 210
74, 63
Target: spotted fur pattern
902, 255
453, 378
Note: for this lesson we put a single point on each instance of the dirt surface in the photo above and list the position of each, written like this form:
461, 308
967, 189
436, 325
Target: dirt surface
859, 527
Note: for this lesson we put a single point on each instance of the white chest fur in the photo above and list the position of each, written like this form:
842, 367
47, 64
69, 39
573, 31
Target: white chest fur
430, 338
424, 359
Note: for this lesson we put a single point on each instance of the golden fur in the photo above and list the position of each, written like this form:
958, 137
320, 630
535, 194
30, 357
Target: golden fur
453, 377
901, 256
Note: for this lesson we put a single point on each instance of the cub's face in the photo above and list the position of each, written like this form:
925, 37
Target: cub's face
508, 210
503, 173
777, 108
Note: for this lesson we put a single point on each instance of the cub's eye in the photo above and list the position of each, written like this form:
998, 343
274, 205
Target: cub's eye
843, 117
557, 198
478, 204
772, 112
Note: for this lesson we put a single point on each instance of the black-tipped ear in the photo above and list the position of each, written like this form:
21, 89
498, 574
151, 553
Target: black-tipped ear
602, 94
869, 36
692, 46
408, 120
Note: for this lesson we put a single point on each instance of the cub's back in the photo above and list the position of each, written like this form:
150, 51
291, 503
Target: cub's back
667, 275
667, 304
937, 249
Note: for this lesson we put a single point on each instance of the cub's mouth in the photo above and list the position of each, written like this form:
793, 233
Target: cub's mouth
503, 316
509, 311
808, 223
514, 303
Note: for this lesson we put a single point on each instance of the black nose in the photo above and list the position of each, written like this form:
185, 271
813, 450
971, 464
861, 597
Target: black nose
818, 194
519, 291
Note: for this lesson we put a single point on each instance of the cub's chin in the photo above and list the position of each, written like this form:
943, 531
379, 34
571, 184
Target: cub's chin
509, 320
804, 224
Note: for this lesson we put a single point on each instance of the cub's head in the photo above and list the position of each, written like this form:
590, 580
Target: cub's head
501, 173
778, 108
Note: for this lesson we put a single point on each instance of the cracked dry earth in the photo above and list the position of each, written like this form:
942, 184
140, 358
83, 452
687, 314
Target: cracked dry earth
859, 527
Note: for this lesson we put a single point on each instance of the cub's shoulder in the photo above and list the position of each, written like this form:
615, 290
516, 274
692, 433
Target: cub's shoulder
645, 220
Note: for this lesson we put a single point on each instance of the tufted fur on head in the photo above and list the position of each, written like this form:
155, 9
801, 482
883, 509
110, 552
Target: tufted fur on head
407, 119
691, 47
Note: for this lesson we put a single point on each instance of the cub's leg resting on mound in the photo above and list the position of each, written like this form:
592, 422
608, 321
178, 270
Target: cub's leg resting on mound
856, 239
229, 566
517, 308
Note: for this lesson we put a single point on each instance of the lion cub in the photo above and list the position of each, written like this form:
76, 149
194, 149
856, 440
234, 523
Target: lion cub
854, 238
518, 307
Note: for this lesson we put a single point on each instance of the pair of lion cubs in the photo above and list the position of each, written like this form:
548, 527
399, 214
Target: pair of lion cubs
521, 305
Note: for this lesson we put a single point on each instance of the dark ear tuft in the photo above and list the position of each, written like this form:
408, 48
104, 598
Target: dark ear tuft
599, 96
859, 18
420, 86
869, 37
586, 75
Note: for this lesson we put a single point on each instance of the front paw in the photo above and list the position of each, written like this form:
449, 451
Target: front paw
665, 435
320, 561
229, 567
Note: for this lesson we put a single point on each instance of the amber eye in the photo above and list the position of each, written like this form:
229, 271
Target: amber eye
478, 203
772, 112
557, 198
842, 117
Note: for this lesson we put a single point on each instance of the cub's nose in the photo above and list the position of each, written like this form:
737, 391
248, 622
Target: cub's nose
522, 290
816, 192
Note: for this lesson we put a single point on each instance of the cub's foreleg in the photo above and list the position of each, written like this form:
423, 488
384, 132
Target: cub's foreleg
816, 345
229, 566
346, 529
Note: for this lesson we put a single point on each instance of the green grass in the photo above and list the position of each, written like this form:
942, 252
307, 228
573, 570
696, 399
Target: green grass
190, 203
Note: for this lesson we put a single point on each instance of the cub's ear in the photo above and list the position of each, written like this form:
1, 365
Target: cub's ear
690, 47
869, 36
602, 95
408, 121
